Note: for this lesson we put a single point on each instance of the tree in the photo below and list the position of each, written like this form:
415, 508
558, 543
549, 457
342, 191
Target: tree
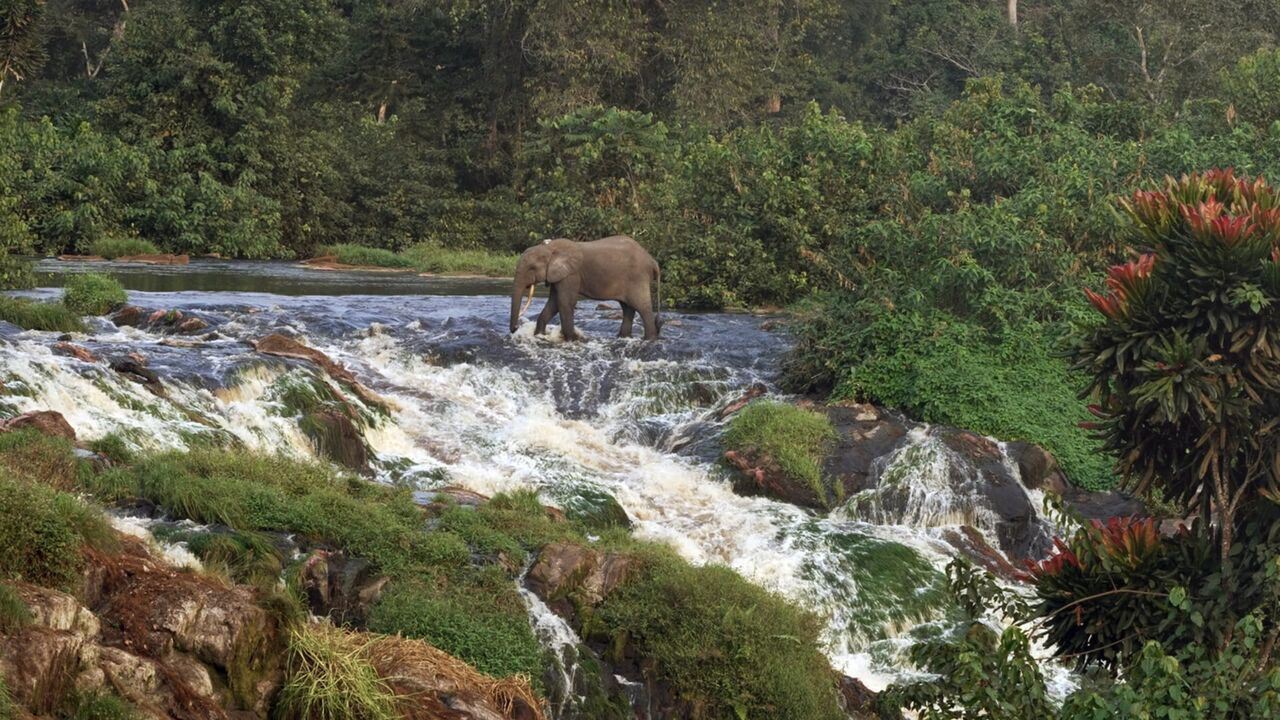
1185, 365
21, 43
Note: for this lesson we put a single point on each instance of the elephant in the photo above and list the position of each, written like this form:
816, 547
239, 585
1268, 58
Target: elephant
614, 268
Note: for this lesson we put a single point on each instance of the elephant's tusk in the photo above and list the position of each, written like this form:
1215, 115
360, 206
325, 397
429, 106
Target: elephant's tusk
528, 301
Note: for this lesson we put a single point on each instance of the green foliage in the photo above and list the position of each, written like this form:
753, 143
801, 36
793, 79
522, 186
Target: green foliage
8, 708
32, 315
795, 438
93, 294
115, 448
329, 678
41, 532
357, 255
15, 274
100, 706
728, 647
114, 247
432, 258
14, 613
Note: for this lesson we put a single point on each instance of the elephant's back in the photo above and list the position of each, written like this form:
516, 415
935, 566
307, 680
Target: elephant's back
624, 243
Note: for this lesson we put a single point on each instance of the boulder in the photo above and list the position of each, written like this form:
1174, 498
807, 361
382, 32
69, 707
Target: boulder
138, 372
1037, 467
129, 315
567, 574
47, 422
78, 352
336, 437
857, 699
864, 435
287, 347
969, 542
759, 474
340, 587
40, 665
58, 611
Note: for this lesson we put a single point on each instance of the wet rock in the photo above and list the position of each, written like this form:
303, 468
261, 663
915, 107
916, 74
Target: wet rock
192, 325
450, 495
139, 373
759, 474
336, 437
864, 435
1103, 505
752, 393
78, 352
47, 422
287, 347
595, 510
155, 259
857, 699
970, 543
129, 315
1018, 529
567, 575
1037, 467
340, 587
82, 258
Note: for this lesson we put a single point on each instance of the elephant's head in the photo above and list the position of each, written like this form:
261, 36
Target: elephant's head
550, 262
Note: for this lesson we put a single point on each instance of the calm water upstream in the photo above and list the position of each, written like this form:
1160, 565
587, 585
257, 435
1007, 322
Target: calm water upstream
477, 407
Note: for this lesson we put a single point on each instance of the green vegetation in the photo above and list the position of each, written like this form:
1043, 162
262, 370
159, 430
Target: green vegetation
100, 706
328, 678
32, 315
14, 614
426, 258
794, 438
93, 294
7, 706
41, 532
114, 247
731, 649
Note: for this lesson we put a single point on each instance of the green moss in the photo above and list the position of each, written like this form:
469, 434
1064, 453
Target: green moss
795, 438
328, 678
14, 614
476, 616
100, 706
93, 294
728, 647
114, 247
41, 532
31, 315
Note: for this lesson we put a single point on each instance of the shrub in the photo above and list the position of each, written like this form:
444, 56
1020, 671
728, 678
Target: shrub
432, 258
93, 294
328, 677
114, 247
795, 438
729, 648
31, 315
42, 531
14, 613
359, 255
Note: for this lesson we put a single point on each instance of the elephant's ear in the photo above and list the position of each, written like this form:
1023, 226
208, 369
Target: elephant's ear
562, 266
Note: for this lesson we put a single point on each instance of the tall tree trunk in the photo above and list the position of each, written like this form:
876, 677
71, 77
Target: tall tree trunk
1013, 13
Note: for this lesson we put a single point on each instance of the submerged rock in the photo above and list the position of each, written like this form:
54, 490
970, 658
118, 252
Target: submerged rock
336, 437
47, 422
78, 352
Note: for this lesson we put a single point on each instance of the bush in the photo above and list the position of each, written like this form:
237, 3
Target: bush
42, 531
31, 315
358, 255
93, 294
432, 258
729, 648
794, 438
114, 247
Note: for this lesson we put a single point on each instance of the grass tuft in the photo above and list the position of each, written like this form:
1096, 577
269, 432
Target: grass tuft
329, 677
794, 438
42, 531
32, 315
93, 294
14, 613
112, 248
360, 255
100, 706
427, 258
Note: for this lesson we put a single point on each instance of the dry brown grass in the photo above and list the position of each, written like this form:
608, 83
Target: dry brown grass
421, 674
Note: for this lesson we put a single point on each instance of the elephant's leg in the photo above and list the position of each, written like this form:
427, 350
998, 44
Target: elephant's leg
566, 299
549, 311
628, 316
641, 303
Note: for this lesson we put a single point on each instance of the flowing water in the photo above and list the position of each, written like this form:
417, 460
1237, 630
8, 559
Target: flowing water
474, 406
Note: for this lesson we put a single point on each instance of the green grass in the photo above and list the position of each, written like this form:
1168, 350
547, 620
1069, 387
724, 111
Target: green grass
42, 531
427, 258
44, 459
8, 710
33, 315
112, 248
93, 294
100, 706
795, 438
115, 448
729, 647
14, 613
328, 677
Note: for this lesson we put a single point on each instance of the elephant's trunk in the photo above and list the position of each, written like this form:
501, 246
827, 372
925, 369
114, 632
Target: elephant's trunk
517, 310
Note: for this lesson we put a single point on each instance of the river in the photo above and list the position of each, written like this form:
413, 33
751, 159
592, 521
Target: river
477, 407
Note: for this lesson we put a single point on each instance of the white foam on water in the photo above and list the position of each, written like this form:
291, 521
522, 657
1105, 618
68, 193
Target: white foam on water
175, 554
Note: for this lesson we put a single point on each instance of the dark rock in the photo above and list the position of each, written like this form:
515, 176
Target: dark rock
857, 699
336, 437
340, 587
1103, 506
46, 422
567, 576
129, 315
864, 434
1037, 467
752, 393
969, 542
284, 346
759, 474
192, 325
139, 373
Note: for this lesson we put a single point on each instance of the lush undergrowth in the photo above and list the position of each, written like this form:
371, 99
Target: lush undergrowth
427, 258
453, 573
796, 439
114, 247
93, 294
33, 315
